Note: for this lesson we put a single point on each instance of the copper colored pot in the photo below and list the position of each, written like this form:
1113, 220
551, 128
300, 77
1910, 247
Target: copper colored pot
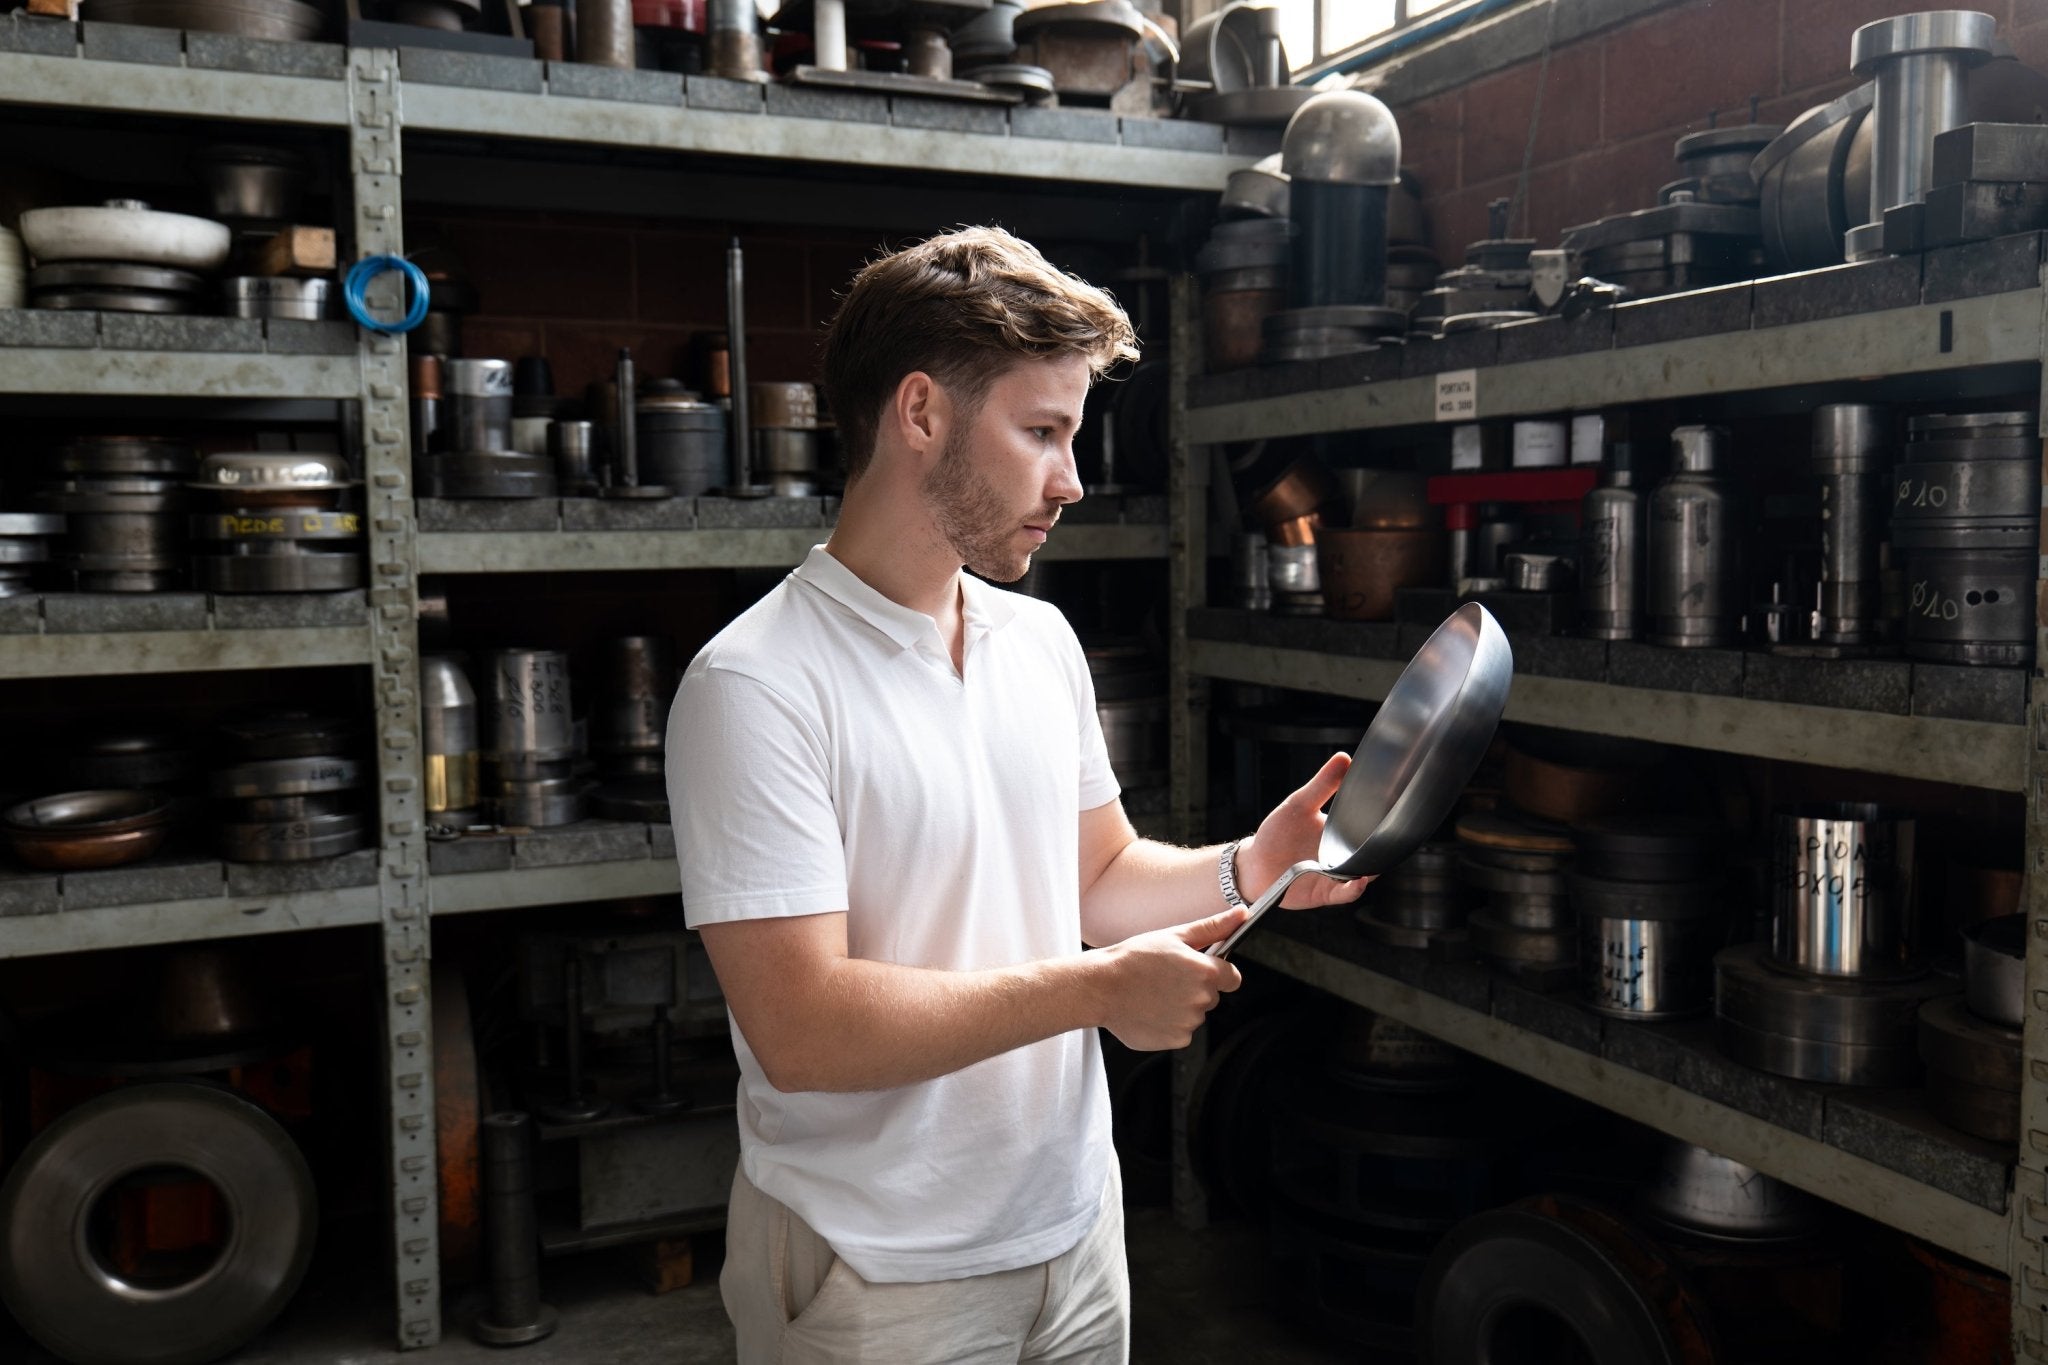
1233, 323
1362, 570
1301, 489
1565, 794
1296, 530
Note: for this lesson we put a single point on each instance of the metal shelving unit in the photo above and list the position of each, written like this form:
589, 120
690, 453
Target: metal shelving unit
468, 107
1975, 321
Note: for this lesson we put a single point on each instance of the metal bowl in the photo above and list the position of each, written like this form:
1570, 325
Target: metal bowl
79, 831
268, 475
1708, 1195
245, 180
1995, 969
125, 230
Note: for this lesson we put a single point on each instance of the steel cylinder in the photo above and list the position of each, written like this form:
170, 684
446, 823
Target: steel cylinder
514, 1314
604, 32
527, 716
1694, 557
735, 29
1852, 450
1648, 968
1339, 256
477, 399
1965, 511
1843, 900
573, 445
1918, 63
639, 682
682, 444
448, 734
1611, 553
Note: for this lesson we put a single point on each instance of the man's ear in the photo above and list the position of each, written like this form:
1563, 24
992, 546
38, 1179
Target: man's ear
920, 413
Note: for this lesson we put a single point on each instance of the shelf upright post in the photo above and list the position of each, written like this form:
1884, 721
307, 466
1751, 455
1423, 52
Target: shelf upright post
2029, 1212
1187, 700
375, 170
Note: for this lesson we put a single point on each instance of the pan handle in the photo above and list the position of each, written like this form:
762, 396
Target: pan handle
1265, 903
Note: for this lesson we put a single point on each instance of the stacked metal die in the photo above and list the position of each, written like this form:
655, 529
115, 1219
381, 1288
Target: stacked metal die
1519, 867
1966, 513
682, 439
629, 726
1648, 906
1421, 902
1971, 1043
269, 521
1833, 996
26, 539
293, 791
448, 730
123, 500
529, 745
1243, 269
788, 440
471, 454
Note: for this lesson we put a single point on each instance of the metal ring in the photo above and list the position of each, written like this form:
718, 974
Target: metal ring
54, 1283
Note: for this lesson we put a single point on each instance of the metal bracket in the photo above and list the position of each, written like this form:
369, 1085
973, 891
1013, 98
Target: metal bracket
2029, 1242
374, 170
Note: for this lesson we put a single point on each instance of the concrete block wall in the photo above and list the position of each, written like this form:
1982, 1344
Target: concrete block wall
1615, 100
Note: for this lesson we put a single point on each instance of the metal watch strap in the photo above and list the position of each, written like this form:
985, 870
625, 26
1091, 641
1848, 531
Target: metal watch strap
1226, 876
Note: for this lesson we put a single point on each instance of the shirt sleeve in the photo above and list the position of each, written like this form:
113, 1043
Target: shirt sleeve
1098, 781
757, 836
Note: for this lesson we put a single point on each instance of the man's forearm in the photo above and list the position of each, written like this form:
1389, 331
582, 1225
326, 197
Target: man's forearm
866, 1025
1150, 885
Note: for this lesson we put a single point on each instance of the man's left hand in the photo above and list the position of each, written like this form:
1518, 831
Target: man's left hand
1292, 834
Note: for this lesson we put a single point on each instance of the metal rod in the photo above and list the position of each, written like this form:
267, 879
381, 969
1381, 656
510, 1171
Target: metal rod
736, 365
625, 446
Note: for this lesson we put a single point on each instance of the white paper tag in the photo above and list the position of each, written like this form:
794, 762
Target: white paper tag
1589, 438
1467, 450
1538, 445
1457, 396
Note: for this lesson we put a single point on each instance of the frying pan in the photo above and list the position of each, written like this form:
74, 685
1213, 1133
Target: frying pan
1417, 755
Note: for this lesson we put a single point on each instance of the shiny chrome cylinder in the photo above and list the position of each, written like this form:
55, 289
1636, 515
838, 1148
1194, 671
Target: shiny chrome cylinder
574, 448
527, 717
448, 733
1918, 62
1250, 586
1641, 968
735, 28
1611, 555
1695, 549
1852, 447
478, 411
1843, 902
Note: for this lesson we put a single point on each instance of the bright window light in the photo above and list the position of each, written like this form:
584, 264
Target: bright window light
1346, 22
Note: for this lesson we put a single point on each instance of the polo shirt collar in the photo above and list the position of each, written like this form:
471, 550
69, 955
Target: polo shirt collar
986, 607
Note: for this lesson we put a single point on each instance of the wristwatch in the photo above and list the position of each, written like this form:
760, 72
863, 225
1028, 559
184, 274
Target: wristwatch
1226, 876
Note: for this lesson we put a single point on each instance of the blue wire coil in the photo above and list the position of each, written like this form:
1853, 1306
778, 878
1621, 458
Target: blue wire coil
367, 269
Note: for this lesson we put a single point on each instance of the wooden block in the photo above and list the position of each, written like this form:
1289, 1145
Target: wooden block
298, 251
61, 9
668, 1264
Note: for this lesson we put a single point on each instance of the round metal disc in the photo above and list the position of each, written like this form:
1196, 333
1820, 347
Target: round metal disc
279, 573
113, 301
56, 1286
155, 279
288, 777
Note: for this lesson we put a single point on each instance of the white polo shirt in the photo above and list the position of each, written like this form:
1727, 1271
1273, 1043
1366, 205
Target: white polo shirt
823, 755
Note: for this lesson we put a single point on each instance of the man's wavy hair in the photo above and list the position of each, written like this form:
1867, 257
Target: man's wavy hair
962, 307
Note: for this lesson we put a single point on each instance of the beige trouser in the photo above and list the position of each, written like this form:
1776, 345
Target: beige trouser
792, 1301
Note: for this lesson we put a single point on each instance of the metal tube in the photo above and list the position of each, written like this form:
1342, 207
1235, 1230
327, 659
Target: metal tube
1844, 903
625, 446
604, 32
1851, 454
1917, 61
828, 35
736, 365
515, 1315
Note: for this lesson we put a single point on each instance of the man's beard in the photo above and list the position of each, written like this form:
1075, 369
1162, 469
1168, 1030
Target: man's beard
973, 517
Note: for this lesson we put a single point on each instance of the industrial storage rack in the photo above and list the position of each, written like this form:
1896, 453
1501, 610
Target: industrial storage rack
1971, 320
474, 108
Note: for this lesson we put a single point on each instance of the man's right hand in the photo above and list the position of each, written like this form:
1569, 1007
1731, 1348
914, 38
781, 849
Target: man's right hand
1162, 985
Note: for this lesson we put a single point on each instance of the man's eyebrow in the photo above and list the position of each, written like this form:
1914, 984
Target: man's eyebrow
1050, 416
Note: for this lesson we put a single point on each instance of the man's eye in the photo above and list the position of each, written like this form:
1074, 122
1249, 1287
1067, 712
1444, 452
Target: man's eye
1042, 433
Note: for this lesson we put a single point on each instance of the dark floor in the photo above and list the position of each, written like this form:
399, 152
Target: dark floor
1198, 1299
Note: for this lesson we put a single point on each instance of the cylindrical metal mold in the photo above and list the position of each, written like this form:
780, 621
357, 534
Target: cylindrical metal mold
514, 1314
123, 501
1611, 553
1839, 1031
1852, 450
1969, 482
604, 32
638, 675
449, 735
1814, 180
478, 404
1646, 948
527, 707
1695, 587
1918, 63
573, 446
1704, 1193
277, 549
1973, 1070
735, 27
1971, 606
1995, 969
1844, 899
1361, 570
1340, 245
682, 444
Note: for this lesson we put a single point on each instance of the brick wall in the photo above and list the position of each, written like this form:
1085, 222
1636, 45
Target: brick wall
1615, 101
576, 289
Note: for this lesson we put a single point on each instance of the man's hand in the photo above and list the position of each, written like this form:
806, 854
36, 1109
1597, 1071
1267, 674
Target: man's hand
1293, 833
1163, 985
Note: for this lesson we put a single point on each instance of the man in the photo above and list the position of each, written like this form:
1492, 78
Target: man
897, 827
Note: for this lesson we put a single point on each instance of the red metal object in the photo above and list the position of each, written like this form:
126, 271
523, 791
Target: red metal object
1563, 486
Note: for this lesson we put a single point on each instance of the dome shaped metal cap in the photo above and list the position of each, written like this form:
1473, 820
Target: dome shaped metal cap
1343, 137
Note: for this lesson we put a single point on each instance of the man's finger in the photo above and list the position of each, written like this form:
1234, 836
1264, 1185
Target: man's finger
1203, 932
1318, 790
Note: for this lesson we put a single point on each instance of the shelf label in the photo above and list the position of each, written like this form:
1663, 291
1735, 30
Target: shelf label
1457, 396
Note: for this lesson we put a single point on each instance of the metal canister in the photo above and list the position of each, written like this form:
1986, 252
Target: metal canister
478, 394
735, 27
682, 442
631, 715
448, 731
1695, 547
1611, 552
1646, 948
574, 448
604, 32
1852, 455
527, 718
1243, 269
1966, 514
1843, 902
